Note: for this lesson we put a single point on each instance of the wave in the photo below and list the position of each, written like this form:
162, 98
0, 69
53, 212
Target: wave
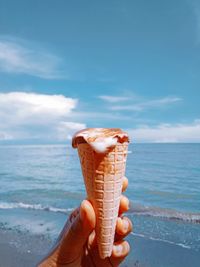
134, 209
162, 240
165, 213
17, 205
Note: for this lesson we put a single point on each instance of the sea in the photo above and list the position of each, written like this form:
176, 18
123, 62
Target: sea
41, 184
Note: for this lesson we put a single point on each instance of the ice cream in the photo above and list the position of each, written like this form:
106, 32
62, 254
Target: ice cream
100, 139
102, 154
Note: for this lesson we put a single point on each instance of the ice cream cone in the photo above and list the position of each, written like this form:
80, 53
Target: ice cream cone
103, 175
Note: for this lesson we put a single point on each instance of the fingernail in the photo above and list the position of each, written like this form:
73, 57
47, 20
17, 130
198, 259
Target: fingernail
120, 221
125, 225
82, 212
128, 205
126, 247
118, 249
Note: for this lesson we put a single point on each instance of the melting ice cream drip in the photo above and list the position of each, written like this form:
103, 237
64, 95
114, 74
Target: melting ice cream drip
101, 145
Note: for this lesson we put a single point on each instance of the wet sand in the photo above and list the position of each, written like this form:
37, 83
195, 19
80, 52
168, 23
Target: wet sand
19, 249
153, 253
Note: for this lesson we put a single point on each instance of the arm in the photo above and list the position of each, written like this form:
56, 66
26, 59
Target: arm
77, 246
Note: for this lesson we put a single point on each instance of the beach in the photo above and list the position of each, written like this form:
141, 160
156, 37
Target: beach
40, 185
27, 250
19, 249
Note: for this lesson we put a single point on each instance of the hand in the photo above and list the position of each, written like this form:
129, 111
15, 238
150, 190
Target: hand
77, 246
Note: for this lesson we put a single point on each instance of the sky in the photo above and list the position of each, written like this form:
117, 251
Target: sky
68, 65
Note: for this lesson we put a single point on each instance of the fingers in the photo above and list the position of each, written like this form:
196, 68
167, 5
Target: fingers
124, 184
82, 225
123, 228
120, 251
87, 215
92, 240
124, 205
124, 202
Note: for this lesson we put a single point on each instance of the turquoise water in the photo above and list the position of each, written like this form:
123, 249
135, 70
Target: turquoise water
41, 184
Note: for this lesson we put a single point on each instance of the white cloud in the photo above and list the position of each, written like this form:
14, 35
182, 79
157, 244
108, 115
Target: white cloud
56, 118
20, 57
34, 106
73, 125
36, 116
113, 99
140, 106
68, 127
167, 133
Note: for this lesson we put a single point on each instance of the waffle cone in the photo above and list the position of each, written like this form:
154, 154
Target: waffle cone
103, 175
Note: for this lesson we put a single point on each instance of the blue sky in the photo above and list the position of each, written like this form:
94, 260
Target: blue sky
65, 65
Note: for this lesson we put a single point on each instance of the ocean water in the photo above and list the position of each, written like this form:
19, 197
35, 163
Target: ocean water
41, 184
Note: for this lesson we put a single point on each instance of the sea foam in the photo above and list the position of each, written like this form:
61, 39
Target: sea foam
169, 214
17, 205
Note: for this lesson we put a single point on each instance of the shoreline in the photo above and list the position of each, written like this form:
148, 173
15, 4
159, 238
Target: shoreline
28, 249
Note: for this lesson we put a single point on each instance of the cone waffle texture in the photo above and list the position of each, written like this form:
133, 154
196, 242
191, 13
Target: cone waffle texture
103, 175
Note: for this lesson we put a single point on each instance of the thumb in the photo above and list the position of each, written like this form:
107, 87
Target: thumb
71, 246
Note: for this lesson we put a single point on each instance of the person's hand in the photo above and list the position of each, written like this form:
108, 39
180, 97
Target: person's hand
77, 246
